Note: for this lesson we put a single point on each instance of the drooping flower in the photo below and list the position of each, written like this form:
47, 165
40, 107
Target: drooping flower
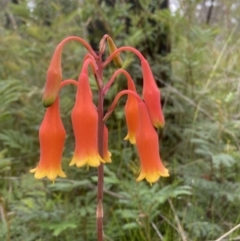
131, 114
152, 96
54, 78
51, 136
106, 154
85, 126
148, 148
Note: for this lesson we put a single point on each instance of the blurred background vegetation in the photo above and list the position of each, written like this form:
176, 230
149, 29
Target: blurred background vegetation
193, 48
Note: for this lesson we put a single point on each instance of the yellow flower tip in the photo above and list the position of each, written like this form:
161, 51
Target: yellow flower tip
61, 173
81, 164
150, 177
73, 162
107, 157
93, 161
33, 170
158, 124
164, 173
126, 137
141, 176
78, 162
39, 174
50, 174
131, 138
153, 176
53, 175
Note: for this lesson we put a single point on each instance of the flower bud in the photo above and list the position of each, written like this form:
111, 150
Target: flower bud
152, 96
54, 78
112, 47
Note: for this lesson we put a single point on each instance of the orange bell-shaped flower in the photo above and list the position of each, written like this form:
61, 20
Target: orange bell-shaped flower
148, 148
152, 96
51, 136
131, 114
85, 126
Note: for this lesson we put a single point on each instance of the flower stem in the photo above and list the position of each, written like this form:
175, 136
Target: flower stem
123, 48
116, 99
99, 212
117, 72
80, 40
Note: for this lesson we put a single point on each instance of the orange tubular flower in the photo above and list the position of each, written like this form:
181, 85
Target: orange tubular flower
152, 96
148, 148
85, 126
106, 154
51, 136
54, 78
131, 113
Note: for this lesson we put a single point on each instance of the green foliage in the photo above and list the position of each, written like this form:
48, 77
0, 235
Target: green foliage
200, 142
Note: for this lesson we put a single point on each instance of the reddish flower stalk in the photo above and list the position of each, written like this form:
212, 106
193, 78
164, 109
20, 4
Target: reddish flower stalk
99, 212
113, 77
116, 99
68, 82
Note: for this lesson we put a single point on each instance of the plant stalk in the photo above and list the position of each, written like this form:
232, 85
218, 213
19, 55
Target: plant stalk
99, 212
